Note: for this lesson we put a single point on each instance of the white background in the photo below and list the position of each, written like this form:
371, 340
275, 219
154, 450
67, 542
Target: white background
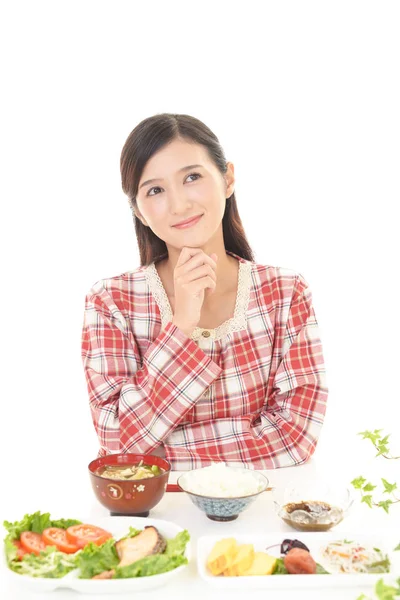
304, 97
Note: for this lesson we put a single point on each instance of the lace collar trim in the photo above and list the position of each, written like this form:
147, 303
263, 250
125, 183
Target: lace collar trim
236, 323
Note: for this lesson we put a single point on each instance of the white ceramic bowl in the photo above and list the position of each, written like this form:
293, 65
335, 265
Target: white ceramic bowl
219, 507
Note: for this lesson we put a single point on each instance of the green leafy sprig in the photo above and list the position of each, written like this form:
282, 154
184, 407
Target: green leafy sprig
383, 591
379, 442
360, 483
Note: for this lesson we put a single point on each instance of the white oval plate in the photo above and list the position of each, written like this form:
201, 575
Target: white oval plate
315, 542
118, 526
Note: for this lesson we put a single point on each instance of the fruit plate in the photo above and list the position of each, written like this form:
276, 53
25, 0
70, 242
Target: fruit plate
119, 527
315, 542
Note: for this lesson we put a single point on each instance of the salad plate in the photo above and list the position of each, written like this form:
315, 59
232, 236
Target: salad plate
119, 527
376, 547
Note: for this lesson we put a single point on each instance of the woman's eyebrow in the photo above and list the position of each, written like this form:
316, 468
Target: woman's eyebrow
160, 179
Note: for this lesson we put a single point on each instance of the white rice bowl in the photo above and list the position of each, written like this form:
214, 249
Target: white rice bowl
220, 481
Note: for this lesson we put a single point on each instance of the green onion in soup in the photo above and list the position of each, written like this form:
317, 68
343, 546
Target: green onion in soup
129, 472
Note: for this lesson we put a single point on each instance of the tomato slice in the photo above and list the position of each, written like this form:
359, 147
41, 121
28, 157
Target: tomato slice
83, 534
55, 536
20, 550
32, 542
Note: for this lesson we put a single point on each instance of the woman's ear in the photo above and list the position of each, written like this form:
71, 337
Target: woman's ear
139, 216
229, 179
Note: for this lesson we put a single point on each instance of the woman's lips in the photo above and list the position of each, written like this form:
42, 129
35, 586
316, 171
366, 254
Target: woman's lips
188, 224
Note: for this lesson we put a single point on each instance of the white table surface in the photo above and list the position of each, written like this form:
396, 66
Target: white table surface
177, 507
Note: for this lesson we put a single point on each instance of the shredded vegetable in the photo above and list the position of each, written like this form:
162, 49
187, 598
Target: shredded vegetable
351, 557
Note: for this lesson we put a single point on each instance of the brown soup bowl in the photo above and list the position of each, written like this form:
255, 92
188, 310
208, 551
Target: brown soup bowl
129, 497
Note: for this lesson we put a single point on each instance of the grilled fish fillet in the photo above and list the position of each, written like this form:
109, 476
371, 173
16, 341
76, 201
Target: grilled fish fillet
149, 541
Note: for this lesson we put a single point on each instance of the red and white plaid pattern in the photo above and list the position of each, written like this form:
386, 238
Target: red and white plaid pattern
256, 396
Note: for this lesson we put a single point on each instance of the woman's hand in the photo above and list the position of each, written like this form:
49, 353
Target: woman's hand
195, 272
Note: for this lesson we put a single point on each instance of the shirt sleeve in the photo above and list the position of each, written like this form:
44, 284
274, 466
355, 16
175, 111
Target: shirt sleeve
137, 401
286, 431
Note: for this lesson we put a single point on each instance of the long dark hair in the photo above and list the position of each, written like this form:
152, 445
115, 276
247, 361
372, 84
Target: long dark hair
149, 136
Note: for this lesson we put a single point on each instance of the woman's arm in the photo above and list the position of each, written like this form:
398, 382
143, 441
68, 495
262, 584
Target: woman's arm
286, 431
136, 402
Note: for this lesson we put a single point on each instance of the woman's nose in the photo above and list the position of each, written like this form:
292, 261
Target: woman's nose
179, 202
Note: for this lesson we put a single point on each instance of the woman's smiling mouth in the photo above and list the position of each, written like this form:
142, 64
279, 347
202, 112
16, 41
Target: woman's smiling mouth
188, 222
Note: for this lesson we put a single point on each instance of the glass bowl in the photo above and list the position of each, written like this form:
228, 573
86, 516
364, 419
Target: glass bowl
312, 507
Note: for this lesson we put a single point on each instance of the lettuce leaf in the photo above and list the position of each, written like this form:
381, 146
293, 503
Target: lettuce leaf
10, 551
176, 546
321, 570
280, 568
133, 532
93, 559
36, 522
50, 563
150, 565
64, 523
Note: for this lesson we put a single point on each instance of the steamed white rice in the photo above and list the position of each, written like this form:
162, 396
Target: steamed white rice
220, 481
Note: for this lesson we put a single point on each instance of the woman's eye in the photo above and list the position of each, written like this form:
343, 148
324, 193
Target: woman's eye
196, 175
153, 188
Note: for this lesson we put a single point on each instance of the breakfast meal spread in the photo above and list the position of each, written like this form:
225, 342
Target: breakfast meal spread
39, 547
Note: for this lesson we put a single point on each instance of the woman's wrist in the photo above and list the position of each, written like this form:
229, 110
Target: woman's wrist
187, 330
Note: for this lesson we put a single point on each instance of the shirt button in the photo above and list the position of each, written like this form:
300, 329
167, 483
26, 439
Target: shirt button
206, 334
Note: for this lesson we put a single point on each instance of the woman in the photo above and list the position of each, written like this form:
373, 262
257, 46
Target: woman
200, 354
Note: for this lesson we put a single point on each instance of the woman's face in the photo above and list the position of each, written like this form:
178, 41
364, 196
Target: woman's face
180, 191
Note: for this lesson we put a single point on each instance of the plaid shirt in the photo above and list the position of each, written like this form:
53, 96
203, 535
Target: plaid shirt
250, 392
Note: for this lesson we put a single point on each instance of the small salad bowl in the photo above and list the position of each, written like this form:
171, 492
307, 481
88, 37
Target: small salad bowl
129, 496
219, 507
